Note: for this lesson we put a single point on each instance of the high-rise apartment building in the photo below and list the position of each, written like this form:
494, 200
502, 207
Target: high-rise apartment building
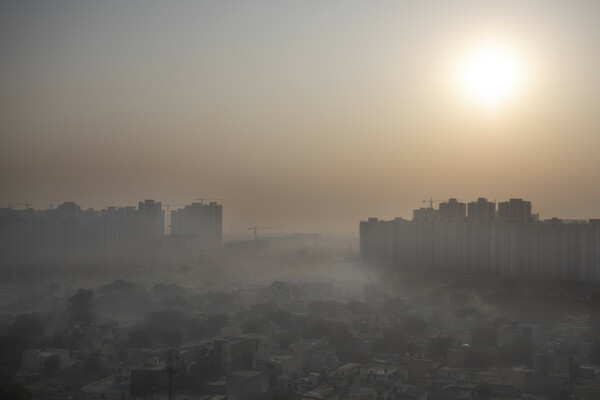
515, 245
515, 210
426, 214
68, 231
151, 220
452, 210
197, 220
481, 210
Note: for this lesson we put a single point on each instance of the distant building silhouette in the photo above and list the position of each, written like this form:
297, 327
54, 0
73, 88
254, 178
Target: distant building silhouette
426, 214
513, 245
452, 210
151, 219
201, 221
68, 232
515, 210
121, 229
481, 210
68, 210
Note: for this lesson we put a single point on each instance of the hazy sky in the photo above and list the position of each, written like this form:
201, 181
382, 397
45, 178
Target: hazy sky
309, 115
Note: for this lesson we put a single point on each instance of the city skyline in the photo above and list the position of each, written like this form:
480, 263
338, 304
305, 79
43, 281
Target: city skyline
420, 213
302, 115
283, 200
475, 238
68, 232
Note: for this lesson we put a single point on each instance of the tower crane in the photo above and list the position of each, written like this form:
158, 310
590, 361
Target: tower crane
168, 214
255, 228
26, 204
431, 201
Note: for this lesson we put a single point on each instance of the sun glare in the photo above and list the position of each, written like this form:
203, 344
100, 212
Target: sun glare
490, 74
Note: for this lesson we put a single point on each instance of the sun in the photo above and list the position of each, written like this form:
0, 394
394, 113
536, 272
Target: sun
490, 74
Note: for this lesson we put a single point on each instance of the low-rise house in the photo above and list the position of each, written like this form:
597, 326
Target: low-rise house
324, 392
106, 389
216, 387
289, 363
247, 385
348, 372
455, 358
422, 368
148, 381
362, 393
36, 358
405, 391
378, 374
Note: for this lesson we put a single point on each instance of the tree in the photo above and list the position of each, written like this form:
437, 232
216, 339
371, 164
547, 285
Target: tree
52, 365
393, 306
11, 348
27, 327
440, 345
221, 299
13, 391
287, 338
478, 359
216, 322
412, 325
167, 291
93, 365
329, 308
140, 337
196, 328
172, 337
336, 332
287, 394
253, 324
352, 354
165, 319
519, 352
484, 336
121, 287
80, 307
595, 352
393, 341
279, 286
484, 391
280, 317
358, 308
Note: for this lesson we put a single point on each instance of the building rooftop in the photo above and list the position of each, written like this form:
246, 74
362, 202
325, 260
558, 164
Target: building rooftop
105, 385
248, 373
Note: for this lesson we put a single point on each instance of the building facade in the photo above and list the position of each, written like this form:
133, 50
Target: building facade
512, 243
203, 222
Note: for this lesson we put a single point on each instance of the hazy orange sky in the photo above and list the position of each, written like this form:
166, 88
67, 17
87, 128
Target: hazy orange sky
308, 115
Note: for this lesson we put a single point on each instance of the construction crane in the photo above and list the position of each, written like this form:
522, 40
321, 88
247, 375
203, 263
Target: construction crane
431, 201
168, 205
201, 198
168, 215
26, 204
255, 228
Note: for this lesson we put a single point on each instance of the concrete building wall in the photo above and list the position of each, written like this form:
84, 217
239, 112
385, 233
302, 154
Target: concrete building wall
513, 246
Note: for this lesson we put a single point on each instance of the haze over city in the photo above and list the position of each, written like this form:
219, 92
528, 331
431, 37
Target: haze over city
305, 115
299, 200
